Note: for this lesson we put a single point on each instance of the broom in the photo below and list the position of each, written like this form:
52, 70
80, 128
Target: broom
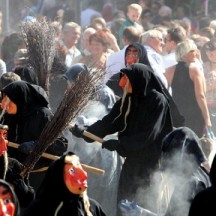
74, 101
39, 37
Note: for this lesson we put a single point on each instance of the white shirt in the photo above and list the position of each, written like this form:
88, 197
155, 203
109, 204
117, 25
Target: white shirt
169, 60
156, 62
86, 16
115, 62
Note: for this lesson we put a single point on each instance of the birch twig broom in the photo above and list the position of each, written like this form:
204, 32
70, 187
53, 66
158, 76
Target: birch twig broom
74, 101
39, 37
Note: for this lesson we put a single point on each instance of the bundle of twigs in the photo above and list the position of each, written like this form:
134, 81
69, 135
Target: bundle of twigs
39, 38
74, 101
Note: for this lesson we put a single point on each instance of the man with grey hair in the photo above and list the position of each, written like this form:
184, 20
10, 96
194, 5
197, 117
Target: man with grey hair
153, 43
85, 44
70, 36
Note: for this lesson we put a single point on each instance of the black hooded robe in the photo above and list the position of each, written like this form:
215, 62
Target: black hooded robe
53, 197
33, 113
140, 136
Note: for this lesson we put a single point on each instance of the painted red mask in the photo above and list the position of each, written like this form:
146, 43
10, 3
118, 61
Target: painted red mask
123, 82
132, 56
7, 207
3, 141
10, 106
74, 176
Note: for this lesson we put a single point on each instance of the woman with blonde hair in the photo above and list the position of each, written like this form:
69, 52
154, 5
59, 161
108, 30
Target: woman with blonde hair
188, 87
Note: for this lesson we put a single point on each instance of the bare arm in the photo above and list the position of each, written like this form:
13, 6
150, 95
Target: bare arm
169, 73
200, 89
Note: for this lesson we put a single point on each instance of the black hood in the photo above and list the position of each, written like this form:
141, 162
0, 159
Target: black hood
14, 196
142, 79
213, 172
143, 57
53, 186
184, 141
26, 96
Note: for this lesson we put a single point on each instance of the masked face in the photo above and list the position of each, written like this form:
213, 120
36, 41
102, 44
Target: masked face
11, 107
123, 83
3, 141
132, 56
74, 176
7, 206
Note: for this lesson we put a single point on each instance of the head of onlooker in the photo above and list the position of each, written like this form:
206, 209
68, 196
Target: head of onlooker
174, 36
146, 19
21, 58
207, 32
186, 25
134, 12
71, 34
7, 78
97, 22
213, 24
165, 13
85, 37
209, 50
185, 49
10, 45
131, 35
154, 39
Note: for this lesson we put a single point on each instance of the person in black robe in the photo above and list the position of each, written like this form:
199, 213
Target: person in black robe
56, 196
141, 57
142, 119
27, 123
10, 170
183, 173
204, 202
9, 204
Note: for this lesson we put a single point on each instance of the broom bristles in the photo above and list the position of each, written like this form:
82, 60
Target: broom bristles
74, 101
39, 38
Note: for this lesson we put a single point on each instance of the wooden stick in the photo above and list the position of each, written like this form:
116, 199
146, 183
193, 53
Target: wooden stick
92, 136
54, 157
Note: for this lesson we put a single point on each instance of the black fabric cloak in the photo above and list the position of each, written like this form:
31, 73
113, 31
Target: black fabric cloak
114, 80
182, 157
14, 196
204, 201
32, 115
23, 190
54, 197
141, 132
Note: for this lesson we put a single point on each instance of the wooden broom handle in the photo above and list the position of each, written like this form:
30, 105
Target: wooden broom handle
54, 157
92, 136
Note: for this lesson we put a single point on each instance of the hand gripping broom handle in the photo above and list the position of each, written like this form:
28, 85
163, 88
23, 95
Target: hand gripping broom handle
54, 157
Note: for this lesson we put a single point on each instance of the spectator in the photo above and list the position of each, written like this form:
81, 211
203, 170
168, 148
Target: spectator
191, 101
153, 43
70, 37
174, 36
133, 15
7, 78
90, 11
85, 51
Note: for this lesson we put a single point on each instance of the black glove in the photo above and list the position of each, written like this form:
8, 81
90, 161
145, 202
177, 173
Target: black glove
26, 147
77, 131
110, 144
